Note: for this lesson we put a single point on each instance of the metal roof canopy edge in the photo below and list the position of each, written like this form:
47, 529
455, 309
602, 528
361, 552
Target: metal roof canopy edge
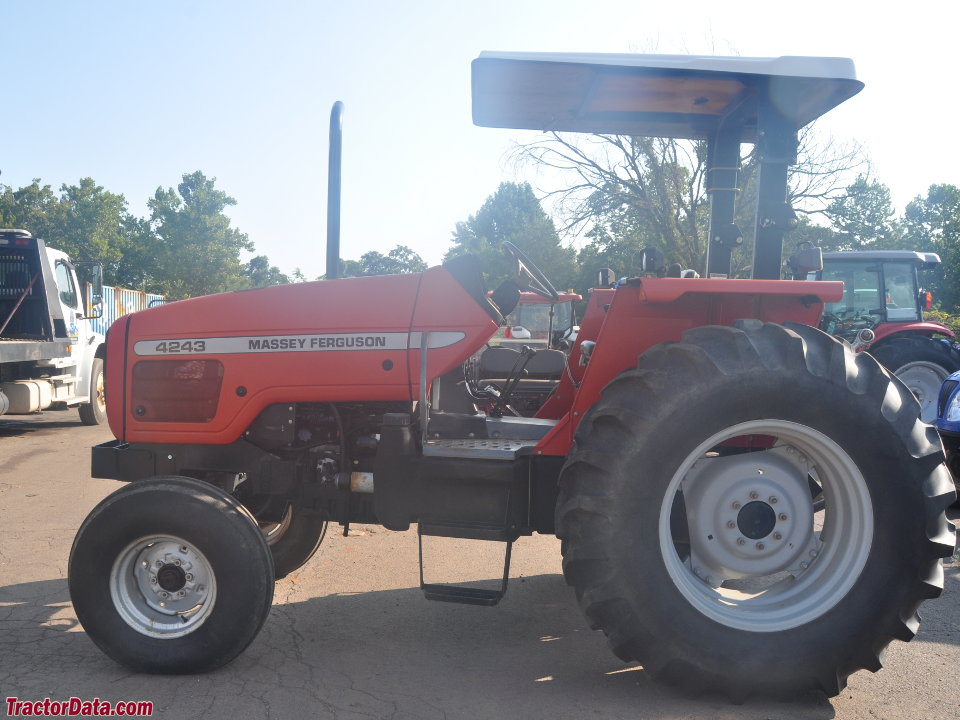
920, 258
680, 96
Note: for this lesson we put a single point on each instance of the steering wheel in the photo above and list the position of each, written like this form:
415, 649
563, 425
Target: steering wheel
537, 281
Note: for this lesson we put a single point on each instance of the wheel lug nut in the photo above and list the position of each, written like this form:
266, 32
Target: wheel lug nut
754, 494
189, 576
177, 563
181, 593
777, 536
159, 563
741, 541
153, 581
760, 546
772, 500
164, 595
731, 524
737, 506
782, 516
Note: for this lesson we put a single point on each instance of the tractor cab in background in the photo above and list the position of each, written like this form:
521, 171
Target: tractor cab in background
881, 312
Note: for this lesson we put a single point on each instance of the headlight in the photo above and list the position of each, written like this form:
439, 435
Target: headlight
953, 409
948, 402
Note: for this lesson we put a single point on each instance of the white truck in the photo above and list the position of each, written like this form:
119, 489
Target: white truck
50, 356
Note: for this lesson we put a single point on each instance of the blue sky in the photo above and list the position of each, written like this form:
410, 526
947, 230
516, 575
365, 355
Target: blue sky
136, 94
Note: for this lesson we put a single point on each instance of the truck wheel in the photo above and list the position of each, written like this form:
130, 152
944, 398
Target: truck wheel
293, 540
95, 411
171, 575
922, 363
687, 513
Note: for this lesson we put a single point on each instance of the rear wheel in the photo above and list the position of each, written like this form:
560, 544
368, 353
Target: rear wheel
922, 363
691, 532
171, 575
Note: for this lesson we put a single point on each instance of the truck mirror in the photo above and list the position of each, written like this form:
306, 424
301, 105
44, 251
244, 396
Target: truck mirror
93, 295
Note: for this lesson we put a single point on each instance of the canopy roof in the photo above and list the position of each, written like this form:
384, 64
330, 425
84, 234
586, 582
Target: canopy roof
680, 96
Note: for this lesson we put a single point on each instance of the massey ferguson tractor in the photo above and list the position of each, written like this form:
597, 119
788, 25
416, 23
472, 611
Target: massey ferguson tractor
745, 504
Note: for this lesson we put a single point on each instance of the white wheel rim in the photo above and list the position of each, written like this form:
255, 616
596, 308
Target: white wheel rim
100, 398
924, 380
762, 588
162, 586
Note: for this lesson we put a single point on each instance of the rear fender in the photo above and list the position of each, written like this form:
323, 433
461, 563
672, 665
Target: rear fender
647, 311
886, 331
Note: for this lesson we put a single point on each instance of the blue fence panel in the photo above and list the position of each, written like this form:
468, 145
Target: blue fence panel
120, 301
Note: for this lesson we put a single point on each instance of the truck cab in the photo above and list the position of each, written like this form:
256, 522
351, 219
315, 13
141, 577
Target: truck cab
50, 356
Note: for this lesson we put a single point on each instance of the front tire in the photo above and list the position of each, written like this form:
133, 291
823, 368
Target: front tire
687, 517
171, 575
95, 411
922, 363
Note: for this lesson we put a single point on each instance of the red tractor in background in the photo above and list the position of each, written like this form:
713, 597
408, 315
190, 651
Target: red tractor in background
881, 311
745, 504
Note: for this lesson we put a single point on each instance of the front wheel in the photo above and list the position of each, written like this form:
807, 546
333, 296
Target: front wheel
171, 575
754, 510
95, 411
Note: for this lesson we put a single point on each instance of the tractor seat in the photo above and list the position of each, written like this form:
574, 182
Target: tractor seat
499, 363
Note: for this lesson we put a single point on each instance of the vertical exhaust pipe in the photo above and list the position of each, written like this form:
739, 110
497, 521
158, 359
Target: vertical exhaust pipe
333, 191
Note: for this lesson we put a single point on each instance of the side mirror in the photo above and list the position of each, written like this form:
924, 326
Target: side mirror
805, 261
653, 262
606, 278
93, 300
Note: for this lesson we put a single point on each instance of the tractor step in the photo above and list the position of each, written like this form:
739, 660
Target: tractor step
477, 448
463, 594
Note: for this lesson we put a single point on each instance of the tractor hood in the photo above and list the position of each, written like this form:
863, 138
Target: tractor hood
205, 367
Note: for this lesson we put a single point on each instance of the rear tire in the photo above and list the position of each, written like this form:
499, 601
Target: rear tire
922, 363
171, 575
651, 532
95, 411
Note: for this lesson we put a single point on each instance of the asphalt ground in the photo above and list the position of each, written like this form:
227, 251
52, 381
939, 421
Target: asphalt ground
350, 635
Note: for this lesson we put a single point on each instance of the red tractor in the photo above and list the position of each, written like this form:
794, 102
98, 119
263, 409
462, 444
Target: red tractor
745, 504
882, 311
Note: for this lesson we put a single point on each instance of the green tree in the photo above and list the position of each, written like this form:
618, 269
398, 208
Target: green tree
85, 221
197, 252
261, 273
863, 217
932, 224
627, 193
400, 260
34, 207
514, 214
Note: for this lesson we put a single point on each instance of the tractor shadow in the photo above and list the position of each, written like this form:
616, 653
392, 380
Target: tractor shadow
392, 654
32, 424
